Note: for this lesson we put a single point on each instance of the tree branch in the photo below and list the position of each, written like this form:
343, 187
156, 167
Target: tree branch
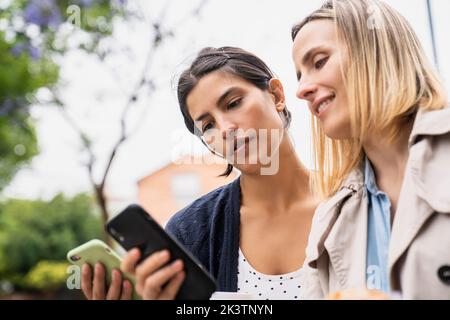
86, 144
159, 35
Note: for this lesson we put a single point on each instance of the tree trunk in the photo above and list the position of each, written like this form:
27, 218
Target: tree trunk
100, 197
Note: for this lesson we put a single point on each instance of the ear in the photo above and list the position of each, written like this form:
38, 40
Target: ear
277, 93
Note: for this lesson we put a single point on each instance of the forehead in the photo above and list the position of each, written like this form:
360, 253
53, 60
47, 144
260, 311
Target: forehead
313, 34
209, 89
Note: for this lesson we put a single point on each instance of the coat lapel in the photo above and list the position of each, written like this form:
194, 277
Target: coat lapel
426, 182
412, 213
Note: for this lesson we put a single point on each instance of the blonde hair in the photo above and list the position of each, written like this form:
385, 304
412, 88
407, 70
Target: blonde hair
387, 77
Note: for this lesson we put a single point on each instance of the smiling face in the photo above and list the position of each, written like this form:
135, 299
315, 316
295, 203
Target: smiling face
317, 58
230, 113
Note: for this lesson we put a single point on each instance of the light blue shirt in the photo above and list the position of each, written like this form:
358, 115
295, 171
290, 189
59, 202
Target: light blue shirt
378, 233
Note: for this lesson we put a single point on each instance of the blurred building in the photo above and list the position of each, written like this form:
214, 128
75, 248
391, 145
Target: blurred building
169, 189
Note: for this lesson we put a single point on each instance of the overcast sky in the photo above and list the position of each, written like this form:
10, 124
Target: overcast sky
95, 97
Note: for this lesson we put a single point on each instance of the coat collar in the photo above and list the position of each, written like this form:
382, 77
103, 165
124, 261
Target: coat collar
430, 123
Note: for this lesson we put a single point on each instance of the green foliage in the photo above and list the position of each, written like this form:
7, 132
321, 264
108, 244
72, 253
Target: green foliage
20, 78
36, 235
46, 276
32, 231
29, 62
17, 146
20, 75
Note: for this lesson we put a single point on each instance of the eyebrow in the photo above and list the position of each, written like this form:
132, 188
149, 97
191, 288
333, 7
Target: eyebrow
307, 56
220, 101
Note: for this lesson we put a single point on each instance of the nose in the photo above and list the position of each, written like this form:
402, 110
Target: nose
228, 131
227, 128
306, 91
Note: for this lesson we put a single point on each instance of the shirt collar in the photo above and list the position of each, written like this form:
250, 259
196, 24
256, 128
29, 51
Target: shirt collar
369, 178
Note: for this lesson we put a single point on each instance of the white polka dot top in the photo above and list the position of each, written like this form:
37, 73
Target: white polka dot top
268, 287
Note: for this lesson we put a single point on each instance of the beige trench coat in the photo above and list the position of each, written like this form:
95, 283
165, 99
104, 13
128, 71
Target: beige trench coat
419, 252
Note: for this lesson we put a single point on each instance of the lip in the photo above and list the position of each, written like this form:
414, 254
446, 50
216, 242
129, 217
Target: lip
240, 143
315, 105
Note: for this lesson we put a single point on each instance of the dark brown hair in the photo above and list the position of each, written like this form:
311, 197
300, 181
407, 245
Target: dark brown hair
235, 61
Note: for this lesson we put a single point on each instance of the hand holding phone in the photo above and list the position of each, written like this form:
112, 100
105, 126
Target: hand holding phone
100, 275
161, 262
156, 279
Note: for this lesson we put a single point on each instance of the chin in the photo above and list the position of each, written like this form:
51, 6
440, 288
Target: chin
337, 131
249, 169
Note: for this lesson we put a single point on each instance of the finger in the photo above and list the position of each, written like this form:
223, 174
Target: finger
127, 290
153, 284
172, 288
129, 262
99, 282
115, 286
149, 266
86, 281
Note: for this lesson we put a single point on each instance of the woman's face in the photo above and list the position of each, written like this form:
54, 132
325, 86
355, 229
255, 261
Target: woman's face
318, 59
232, 115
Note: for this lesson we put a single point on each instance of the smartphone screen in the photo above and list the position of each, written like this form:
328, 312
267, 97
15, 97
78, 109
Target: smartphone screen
134, 227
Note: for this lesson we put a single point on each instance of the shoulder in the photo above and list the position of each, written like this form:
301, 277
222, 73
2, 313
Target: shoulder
430, 124
328, 210
328, 213
195, 219
352, 187
429, 156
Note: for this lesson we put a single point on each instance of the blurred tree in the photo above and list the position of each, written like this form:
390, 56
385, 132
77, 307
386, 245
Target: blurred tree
145, 82
20, 77
35, 230
35, 35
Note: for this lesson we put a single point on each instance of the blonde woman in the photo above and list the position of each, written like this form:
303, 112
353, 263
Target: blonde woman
382, 153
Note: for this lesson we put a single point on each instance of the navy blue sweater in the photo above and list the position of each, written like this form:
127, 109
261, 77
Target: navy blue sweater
209, 228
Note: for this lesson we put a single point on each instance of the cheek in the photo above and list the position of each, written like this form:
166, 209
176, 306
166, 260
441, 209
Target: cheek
341, 111
272, 118
337, 123
257, 115
337, 77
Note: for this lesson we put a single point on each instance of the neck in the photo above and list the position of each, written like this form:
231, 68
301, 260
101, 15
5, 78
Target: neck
277, 192
389, 159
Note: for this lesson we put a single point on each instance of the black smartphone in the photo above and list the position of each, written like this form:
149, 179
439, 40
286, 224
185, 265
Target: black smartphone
134, 227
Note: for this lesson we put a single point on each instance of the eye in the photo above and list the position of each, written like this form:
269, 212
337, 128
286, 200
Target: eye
235, 103
207, 126
320, 63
